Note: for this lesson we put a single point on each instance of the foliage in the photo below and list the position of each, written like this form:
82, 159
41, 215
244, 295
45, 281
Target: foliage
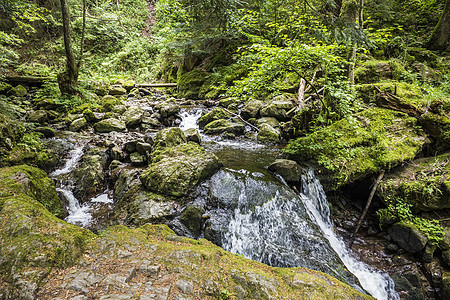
431, 228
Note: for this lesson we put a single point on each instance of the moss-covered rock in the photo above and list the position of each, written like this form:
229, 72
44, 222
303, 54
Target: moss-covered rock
251, 109
215, 114
165, 138
133, 116
18, 91
288, 169
268, 134
38, 116
192, 135
78, 124
278, 108
179, 169
189, 84
408, 236
167, 109
358, 146
117, 91
224, 126
91, 116
372, 71
108, 102
191, 217
109, 125
424, 183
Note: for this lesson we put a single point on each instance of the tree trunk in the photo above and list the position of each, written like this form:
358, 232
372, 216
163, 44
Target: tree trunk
67, 80
440, 37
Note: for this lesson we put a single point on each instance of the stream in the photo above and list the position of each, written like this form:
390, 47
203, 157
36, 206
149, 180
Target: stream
251, 211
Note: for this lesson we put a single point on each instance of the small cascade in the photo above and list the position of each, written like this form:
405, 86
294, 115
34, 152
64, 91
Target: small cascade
75, 156
380, 286
189, 118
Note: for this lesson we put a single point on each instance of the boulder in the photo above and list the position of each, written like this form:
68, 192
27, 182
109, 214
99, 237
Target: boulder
278, 108
288, 169
224, 126
38, 116
445, 287
48, 132
117, 91
408, 236
48, 104
167, 137
177, 170
151, 122
137, 159
192, 135
89, 176
108, 102
189, 84
267, 120
251, 109
117, 153
92, 117
167, 109
144, 148
215, 114
109, 125
18, 91
133, 116
78, 124
268, 134
191, 217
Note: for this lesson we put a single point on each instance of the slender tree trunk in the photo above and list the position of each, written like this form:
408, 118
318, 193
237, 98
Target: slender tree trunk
67, 80
80, 59
440, 37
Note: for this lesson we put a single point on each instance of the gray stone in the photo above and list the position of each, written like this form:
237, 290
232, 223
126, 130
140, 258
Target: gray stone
185, 286
133, 116
117, 153
239, 291
268, 134
144, 148
278, 108
407, 236
151, 121
268, 120
191, 217
224, 126
83, 281
251, 109
116, 297
137, 159
78, 125
117, 91
168, 109
192, 135
288, 169
109, 125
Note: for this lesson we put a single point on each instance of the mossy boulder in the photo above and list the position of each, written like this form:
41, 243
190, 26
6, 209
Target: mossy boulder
267, 120
18, 91
38, 116
166, 138
251, 109
224, 126
408, 236
109, 125
278, 108
133, 116
214, 115
117, 91
373, 71
78, 124
358, 146
424, 183
268, 134
192, 135
91, 116
108, 102
177, 170
288, 169
190, 83
191, 217
167, 109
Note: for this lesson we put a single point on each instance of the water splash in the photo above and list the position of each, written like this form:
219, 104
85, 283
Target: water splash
75, 156
78, 215
189, 118
379, 285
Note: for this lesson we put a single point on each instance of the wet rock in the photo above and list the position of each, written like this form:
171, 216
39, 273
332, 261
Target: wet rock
446, 257
178, 169
148, 138
224, 126
117, 91
192, 135
288, 169
48, 132
428, 253
137, 159
278, 108
167, 109
251, 109
267, 120
92, 117
167, 137
191, 217
38, 116
409, 283
151, 122
109, 102
47, 104
133, 116
445, 287
144, 148
89, 176
18, 91
130, 146
214, 115
109, 125
78, 125
117, 153
268, 134
407, 236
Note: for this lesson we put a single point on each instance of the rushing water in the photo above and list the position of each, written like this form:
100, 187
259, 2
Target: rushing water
253, 214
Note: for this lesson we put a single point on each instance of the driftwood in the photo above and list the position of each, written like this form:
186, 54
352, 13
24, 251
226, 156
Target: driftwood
301, 94
156, 85
240, 118
32, 80
369, 200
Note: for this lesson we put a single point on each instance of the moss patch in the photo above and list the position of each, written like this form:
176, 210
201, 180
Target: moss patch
358, 146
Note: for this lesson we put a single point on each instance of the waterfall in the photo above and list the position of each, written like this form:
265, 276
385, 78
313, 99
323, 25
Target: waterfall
189, 118
380, 286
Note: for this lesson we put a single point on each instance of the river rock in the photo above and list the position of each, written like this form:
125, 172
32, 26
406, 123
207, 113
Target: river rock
92, 117
178, 169
47, 104
133, 116
18, 91
191, 217
89, 176
167, 109
445, 287
268, 134
38, 116
151, 122
117, 153
251, 109
267, 120
143, 148
167, 137
192, 135
407, 236
78, 125
137, 159
288, 169
117, 91
224, 126
109, 125
215, 114
278, 108
48, 132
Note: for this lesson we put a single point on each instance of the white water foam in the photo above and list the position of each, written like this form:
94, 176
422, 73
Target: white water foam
379, 285
75, 156
78, 215
102, 198
189, 119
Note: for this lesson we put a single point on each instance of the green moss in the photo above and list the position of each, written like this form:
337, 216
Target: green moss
190, 83
215, 114
355, 147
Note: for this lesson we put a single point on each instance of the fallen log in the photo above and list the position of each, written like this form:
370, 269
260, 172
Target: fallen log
156, 85
29, 80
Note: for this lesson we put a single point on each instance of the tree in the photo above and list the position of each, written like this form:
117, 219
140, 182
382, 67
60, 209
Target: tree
440, 37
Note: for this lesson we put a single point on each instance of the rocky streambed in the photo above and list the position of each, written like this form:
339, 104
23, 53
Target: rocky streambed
142, 159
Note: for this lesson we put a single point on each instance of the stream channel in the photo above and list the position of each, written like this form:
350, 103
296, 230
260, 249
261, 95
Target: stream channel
250, 211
